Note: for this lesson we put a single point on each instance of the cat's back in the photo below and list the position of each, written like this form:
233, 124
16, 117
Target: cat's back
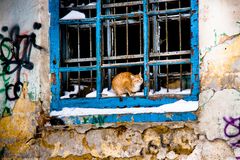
121, 78
120, 82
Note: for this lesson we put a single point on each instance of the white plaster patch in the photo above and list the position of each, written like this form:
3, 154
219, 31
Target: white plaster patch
171, 155
224, 103
162, 153
205, 96
216, 150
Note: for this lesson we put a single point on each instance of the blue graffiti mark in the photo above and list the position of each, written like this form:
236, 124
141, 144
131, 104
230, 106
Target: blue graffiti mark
99, 119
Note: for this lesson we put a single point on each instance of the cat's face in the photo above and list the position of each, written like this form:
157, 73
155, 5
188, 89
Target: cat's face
137, 79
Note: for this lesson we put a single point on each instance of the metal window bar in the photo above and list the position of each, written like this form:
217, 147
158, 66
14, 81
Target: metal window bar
98, 49
79, 55
102, 54
166, 35
140, 34
90, 50
194, 47
155, 46
65, 37
117, 23
127, 43
115, 35
159, 47
145, 48
127, 35
130, 56
54, 56
109, 47
123, 16
180, 45
113, 5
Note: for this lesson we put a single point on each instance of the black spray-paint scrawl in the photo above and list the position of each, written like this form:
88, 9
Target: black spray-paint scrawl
15, 53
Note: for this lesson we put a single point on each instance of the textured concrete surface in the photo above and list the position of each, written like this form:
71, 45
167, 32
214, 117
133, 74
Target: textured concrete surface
221, 66
224, 103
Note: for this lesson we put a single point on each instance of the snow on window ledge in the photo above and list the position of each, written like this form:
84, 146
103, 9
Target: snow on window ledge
178, 106
110, 93
73, 15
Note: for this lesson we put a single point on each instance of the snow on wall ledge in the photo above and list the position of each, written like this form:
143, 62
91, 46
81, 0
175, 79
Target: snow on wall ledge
178, 106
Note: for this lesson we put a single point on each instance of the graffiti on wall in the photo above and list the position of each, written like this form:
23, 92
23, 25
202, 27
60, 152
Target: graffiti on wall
98, 119
15, 53
232, 131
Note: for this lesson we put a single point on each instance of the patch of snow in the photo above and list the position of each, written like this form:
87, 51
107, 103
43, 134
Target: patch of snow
105, 93
173, 91
74, 92
178, 106
66, 95
110, 93
139, 11
74, 15
129, 21
71, 5
83, 4
142, 93
82, 87
91, 94
92, 4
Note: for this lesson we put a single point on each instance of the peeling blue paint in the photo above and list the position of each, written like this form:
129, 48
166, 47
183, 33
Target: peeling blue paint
136, 118
195, 48
98, 49
145, 48
54, 52
124, 102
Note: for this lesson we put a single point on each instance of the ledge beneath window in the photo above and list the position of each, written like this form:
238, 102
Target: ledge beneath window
177, 111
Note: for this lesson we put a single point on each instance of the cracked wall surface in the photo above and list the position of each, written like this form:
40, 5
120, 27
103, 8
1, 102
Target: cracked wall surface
26, 133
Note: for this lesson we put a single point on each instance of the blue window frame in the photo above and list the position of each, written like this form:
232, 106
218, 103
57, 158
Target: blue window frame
156, 59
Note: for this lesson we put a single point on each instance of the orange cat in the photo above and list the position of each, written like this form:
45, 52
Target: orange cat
126, 82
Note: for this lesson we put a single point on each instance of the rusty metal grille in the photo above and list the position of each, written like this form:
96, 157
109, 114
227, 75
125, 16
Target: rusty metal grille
122, 45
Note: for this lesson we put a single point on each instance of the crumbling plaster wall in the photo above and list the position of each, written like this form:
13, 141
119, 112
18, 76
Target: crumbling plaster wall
22, 135
217, 18
219, 40
23, 18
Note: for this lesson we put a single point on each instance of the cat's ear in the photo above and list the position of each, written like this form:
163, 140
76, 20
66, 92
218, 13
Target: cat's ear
132, 76
140, 74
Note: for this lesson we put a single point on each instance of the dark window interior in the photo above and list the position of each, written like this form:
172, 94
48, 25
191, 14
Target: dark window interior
168, 37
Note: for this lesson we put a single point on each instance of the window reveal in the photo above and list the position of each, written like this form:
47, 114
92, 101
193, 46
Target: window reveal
152, 37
